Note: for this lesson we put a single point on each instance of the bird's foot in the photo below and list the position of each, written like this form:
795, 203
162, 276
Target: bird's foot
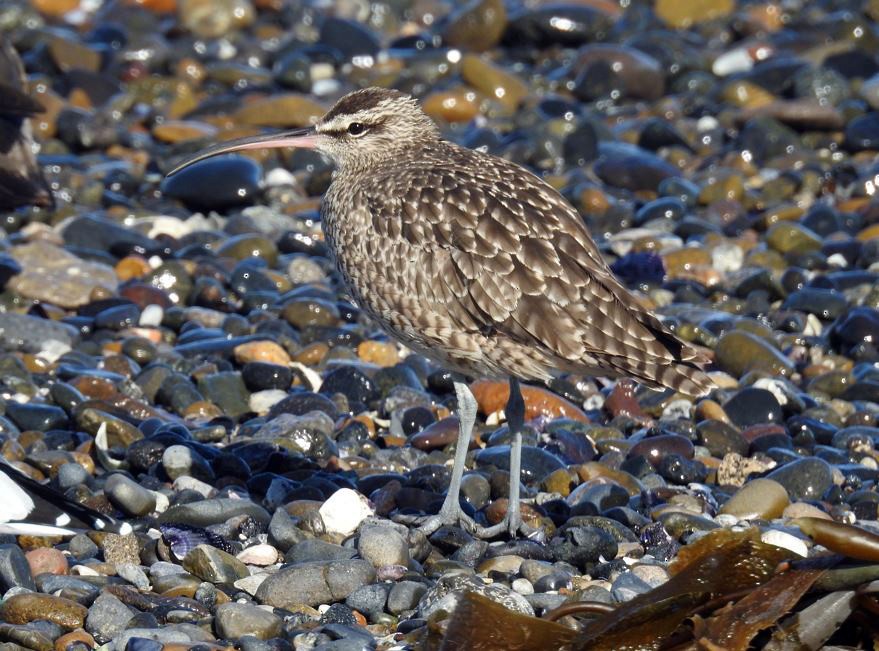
513, 525
452, 516
449, 516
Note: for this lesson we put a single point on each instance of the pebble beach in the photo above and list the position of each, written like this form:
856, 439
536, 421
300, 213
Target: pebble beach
181, 354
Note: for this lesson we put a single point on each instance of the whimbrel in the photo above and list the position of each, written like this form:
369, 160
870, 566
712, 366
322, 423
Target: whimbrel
21, 179
473, 261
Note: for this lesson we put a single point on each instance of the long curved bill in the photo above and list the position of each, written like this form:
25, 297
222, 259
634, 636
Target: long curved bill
304, 138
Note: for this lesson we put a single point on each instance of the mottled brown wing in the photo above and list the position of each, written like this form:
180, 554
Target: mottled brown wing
510, 257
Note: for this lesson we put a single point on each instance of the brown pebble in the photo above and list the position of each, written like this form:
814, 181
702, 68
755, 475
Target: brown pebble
438, 435
380, 353
76, 636
492, 396
846, 539
622, 401
47, 560
759, 498
261, 351
496, 511
24, 608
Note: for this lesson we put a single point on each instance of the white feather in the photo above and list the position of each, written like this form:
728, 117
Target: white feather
28, 529
15, 504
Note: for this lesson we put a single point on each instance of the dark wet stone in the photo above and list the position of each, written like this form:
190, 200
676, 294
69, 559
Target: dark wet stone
14, 569
631, 168
753, 406
350, 382
536, 462
581, 145
639, 267
30, 334
584, 545
215, 184
259, 376
670, 208
227, 391
293, 70
859, 325
864, 390
302, 403
601, 496
680, 470
603, 69
118, 317
721, 438
350, 38
33, 416
657, 133
655, 448
804, 479
863, 132
92, 232
565, 24
416, 419
767, 138
824, 303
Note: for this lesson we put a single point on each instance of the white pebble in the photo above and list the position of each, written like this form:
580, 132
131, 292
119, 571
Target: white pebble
677, 409
344, 511
162, 501
837, 260
813, 326
785, 541
774, 387
151, 316
735, 60
258, 555
279, 176
523, 586
727, 257
261, 401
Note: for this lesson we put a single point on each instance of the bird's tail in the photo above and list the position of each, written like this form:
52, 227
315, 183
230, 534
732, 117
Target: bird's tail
684, 377
52, 510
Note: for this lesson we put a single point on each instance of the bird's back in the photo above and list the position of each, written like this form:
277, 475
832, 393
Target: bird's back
471, 259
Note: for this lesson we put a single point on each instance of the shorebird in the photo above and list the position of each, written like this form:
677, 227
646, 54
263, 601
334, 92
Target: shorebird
21, 180
29, 508
475, 262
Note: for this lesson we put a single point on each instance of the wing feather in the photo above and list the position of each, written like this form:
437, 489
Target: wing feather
509, 256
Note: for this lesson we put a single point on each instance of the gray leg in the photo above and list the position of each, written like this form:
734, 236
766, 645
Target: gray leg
515, 413
451, 512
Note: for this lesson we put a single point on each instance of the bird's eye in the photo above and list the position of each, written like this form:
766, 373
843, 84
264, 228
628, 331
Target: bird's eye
356, 128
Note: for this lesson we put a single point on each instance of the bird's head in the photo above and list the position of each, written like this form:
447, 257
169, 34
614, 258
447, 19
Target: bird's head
362, 128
